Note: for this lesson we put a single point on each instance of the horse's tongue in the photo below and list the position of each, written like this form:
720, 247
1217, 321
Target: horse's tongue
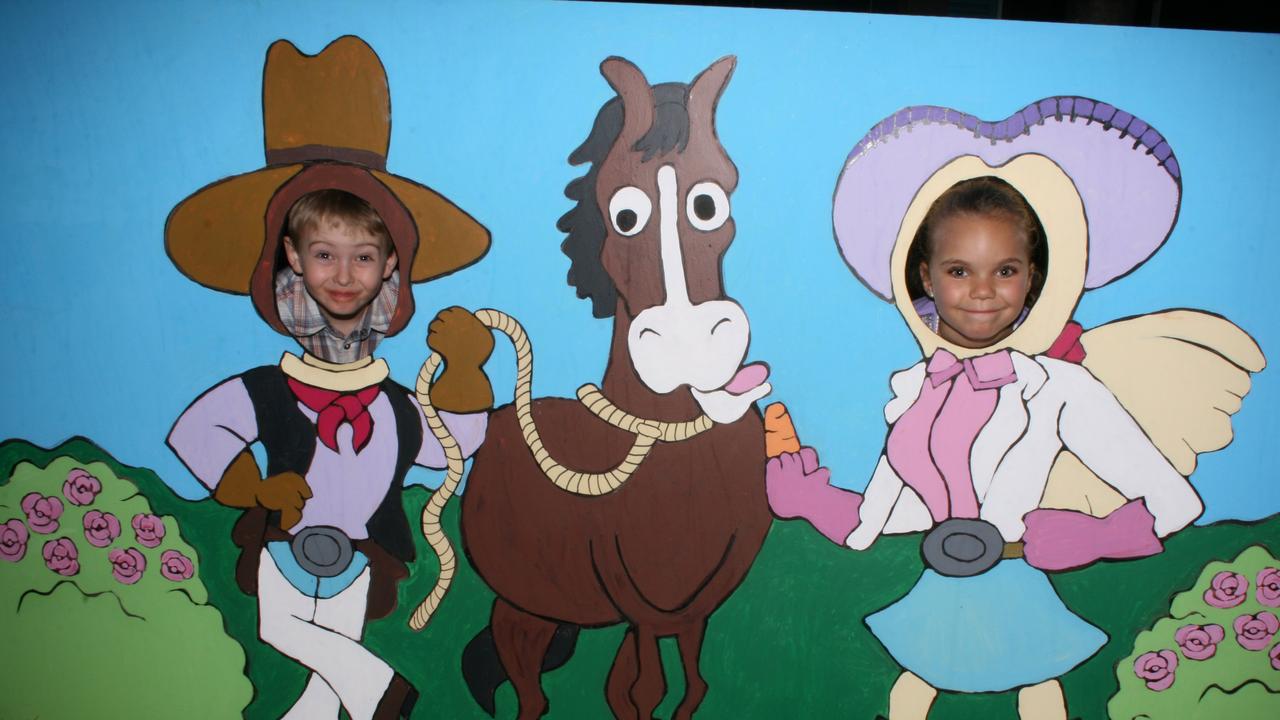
749, 377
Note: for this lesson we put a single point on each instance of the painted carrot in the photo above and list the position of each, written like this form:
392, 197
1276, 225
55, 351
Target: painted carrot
779, 432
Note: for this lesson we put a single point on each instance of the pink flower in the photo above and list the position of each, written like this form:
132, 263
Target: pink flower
1275, 656
176, 566
42, 512
1199, 642
1253, 632
1227, 590
149, 529
1156, 668
62, 557
100, 528
1269, 587
128, 565
81, 487
13, 540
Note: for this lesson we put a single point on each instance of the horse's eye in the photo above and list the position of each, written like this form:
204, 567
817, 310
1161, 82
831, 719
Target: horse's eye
629, 210
707, 206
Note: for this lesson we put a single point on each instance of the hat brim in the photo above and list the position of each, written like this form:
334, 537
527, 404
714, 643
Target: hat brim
1123, 170
217, 235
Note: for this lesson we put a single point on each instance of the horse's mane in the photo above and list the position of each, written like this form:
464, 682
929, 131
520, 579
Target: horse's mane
585, 223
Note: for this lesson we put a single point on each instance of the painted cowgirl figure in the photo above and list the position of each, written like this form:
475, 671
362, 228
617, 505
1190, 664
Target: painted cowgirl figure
327, 243
1011, 453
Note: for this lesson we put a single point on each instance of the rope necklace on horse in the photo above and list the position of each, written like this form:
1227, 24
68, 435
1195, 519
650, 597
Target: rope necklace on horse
647, 434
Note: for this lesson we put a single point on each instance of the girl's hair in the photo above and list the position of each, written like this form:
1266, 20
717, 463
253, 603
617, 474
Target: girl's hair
980, 196
335, 205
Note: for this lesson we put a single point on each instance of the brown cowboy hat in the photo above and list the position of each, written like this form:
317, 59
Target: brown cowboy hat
326, 124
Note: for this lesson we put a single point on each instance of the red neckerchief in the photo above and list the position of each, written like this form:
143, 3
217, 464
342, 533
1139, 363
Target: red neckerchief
334, 408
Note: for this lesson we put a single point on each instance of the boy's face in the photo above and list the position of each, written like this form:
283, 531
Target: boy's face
342, 267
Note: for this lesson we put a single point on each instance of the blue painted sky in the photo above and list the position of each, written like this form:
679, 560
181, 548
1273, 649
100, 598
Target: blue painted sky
115, 112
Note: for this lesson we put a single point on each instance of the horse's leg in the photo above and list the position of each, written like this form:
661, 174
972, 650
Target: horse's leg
651, 684
522, 641
621, 677
689, 639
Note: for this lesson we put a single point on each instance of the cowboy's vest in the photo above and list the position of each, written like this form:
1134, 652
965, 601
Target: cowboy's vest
289, 438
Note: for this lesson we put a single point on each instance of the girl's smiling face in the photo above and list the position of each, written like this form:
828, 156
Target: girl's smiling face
978, 274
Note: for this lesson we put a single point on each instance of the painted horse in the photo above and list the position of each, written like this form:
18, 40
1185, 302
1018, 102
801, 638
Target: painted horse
665, 548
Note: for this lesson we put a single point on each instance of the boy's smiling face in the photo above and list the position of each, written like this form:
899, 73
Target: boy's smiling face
343, 267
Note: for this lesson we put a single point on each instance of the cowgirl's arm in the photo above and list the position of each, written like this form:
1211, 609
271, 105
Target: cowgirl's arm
1095, 427
1098, 430
884, 494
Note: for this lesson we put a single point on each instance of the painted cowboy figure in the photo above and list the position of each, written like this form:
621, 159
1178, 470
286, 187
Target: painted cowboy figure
327, 243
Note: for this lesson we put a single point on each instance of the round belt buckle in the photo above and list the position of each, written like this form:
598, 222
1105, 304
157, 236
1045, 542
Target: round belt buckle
962, 547
322, 550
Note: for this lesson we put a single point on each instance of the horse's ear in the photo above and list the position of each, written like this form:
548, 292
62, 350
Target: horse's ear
705, 92
637, 97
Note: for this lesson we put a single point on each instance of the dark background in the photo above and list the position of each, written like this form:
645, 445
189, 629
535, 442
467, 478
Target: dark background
1243, 16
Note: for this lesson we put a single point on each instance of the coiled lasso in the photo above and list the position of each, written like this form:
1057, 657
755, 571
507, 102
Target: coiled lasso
647, 433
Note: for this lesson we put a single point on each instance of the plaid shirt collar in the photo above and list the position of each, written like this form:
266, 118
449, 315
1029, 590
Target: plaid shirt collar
301, 316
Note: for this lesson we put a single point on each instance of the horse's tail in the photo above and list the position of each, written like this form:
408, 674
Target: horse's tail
483, 672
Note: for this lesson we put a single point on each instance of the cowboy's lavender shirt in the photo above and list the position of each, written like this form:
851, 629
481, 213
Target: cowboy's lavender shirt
346, 486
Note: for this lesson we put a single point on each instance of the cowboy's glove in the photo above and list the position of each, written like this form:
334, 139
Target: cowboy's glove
465, 344
243, 486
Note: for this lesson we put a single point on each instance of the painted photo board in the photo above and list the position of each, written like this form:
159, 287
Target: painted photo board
556, 163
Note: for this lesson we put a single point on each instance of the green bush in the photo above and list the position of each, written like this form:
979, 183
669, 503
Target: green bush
1216, 655
102, 610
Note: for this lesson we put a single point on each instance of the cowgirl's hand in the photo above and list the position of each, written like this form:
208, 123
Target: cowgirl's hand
1066, 539
798, 487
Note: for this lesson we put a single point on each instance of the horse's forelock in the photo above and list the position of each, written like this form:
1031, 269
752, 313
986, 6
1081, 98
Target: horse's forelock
584, 223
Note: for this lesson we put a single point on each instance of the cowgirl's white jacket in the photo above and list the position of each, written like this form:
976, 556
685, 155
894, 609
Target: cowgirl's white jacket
1053, 405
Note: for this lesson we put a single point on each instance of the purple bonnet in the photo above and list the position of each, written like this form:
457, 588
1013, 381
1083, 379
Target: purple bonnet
1124, 171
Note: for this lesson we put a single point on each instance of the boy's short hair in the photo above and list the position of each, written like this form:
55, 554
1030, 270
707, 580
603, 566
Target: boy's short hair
336, 205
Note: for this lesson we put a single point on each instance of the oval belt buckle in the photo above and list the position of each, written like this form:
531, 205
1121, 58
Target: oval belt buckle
322, 550
962, 547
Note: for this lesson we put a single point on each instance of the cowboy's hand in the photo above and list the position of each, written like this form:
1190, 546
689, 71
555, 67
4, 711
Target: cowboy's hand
286, 492
242, 486
459, 337
465, 344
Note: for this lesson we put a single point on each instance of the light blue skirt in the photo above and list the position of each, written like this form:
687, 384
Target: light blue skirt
1003, 629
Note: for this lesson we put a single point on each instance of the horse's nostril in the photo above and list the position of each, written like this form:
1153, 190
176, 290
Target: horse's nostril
720, 322
651, 331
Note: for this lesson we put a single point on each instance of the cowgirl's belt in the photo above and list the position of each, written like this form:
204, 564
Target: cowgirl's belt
962, 547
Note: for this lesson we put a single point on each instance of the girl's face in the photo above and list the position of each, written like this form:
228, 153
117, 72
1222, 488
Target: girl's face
978, 276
